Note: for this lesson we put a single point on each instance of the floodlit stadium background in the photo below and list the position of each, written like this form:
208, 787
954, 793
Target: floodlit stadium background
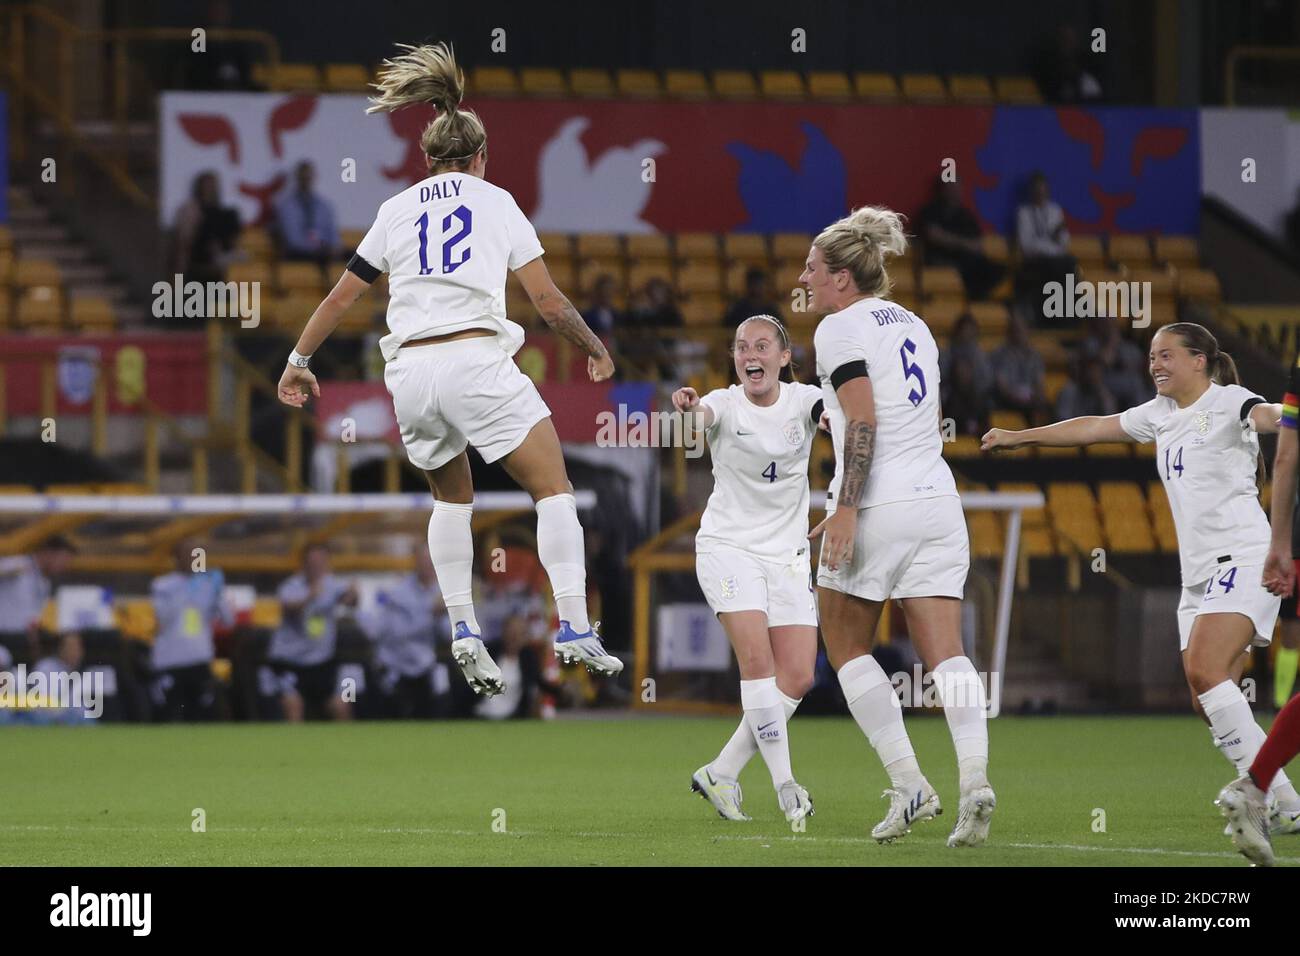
676, 167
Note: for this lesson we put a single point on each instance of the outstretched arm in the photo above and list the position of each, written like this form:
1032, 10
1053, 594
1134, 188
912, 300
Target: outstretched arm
1087, 430
296, 382
563, 319
1279, 570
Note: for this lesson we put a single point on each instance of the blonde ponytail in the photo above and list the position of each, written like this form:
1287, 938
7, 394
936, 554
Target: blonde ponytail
429, 74
861, 242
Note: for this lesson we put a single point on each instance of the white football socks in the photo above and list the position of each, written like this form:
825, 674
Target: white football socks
765, 717
874, 705
964, 705
562, 553
451, 546
1239, 737
742, 746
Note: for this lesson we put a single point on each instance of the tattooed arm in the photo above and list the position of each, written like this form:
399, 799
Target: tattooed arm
563, 318
858, 403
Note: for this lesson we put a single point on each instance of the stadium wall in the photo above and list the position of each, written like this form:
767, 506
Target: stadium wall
583, 166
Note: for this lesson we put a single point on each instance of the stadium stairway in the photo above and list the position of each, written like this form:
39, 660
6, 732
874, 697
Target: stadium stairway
37, 235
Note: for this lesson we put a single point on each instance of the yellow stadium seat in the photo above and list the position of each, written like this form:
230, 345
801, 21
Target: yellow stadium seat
92, 314
1161, 281
542, 81
304, 278
829, 86
40, 310
347, 78
639, 84
704, 277
749, 247
36, 273
923, 88
1014, 421
259, 272
591, 270
299, 77
970, 89
987, 537
876, 87
991, 317
643, 272
495, 81
1110, 449
1182, 252
1017, 90
701, 313
781, 85
791, 245
592, 83
1088, 250
649, 246
1199, 285
1053, 382
994, 246
686, 84
942, 280
902, 283
785, 278
941, 316
962, 446
1073, 511
695, 247
350, 239
599, 245
6, 239
1131, 251
734, 84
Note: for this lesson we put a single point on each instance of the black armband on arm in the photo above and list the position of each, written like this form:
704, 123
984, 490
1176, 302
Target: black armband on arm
817, 410
1247, 405
849, 371
362, 269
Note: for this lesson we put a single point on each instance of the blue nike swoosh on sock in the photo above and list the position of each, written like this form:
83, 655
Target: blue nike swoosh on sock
762, 727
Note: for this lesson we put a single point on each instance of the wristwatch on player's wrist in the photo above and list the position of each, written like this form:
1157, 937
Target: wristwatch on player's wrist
298, 360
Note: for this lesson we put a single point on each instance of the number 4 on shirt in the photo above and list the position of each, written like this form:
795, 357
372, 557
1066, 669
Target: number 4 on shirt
770, 472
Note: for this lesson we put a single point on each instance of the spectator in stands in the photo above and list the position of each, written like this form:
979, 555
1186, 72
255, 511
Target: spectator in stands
188, 605
305, 223
656, 306
1018, 373
411, 622
1123, 364
69, 655
301, 655
757, 300
602, 314
25, 584
1044, 243
952, 238
205, 233
966, 379
1087, 393
225, 64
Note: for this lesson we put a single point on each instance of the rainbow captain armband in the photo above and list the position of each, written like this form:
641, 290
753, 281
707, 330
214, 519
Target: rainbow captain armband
1290, 406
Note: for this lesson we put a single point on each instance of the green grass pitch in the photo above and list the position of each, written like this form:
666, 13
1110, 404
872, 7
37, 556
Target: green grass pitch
593, 792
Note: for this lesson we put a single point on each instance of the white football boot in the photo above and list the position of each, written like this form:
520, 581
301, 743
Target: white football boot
1243, 805
974, 814
476, 663
905, 808
723, 792
794, 801
572, 648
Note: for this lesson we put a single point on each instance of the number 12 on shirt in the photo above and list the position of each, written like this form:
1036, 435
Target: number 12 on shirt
460, 214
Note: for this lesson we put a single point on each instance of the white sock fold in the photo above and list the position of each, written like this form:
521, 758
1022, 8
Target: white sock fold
451, 546
561, 550
740, 749
766, 719
1239, 737
965, 706
874, 705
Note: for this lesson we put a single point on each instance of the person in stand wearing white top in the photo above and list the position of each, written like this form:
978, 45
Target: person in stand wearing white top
1205, 427
446, 244
752, 554
895, 527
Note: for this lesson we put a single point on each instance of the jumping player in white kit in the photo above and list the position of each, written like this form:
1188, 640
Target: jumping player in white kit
896, 528
446, 244
752, 554
1205, 427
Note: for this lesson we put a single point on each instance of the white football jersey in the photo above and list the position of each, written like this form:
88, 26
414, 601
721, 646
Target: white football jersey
1206, 454
902, 361
446, 244
760, 473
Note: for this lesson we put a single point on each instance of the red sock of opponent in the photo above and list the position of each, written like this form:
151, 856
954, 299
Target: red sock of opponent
1282, 744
